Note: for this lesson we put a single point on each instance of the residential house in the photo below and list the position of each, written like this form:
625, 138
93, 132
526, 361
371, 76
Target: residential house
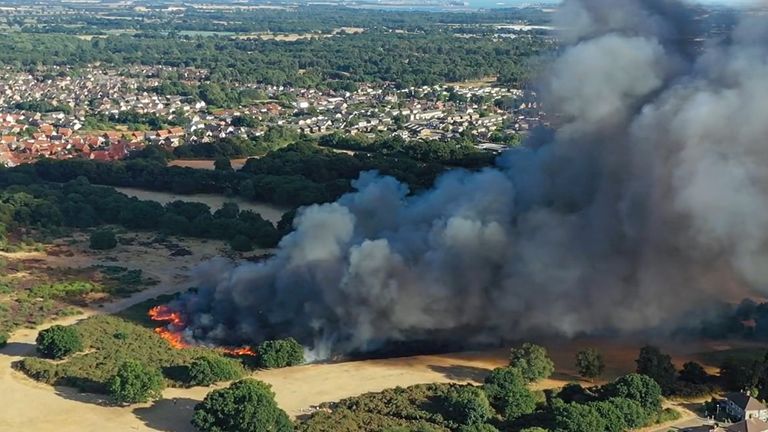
742, 406
749, 425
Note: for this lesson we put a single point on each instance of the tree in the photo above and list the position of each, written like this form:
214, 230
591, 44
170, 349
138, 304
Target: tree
739, 374
614, 419
205, 371
3, 339
484, 427
58, 342
632, 412
532, 361
135, 382
222, 164
468, 405
693, 373
640, 388
589, 363
280, 353
103, 239
506, 390
241, 243
653, 363
572, 417
245, 406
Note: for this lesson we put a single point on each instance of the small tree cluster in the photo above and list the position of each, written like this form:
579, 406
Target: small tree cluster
468, 406
508, 393
245, 406
590, 363
280, 353
58, 342
209, 370
135, 382
103, 239
532, 361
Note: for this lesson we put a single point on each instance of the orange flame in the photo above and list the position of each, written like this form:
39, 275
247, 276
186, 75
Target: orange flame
175, 339
172, 331
242, 351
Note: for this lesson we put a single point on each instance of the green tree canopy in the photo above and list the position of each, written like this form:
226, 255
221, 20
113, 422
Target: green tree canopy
693, 373
205, 371
222, 164
657, 365
280, 353
532, 361
590, 363
468, 406
572, 417
245, 406
103, 239
508, 394
58, 342
135, 382
639, 388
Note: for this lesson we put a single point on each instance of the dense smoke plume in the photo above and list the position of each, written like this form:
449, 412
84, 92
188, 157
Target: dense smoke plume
649, 200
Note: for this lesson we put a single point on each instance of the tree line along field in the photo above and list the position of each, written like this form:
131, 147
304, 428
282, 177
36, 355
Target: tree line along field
407, 59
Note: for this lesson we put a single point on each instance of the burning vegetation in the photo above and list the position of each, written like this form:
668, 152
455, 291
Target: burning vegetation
173, 331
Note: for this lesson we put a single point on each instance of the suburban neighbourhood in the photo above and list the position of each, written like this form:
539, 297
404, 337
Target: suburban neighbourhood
107, 113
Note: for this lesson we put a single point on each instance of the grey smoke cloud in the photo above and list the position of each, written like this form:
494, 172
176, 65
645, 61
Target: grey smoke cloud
649, 201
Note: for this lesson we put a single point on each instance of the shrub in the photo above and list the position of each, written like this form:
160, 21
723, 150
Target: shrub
657, 365
205, 371
135, 382
58, 342
280, 353
484, 427
4, 339
247, 405
577, 418
241, 243
639, 388
506, 390
532, 361
589, 363
632, 412
693, 373
103, 240
468, 406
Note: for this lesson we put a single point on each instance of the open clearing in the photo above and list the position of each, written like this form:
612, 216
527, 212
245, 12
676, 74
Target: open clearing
206, 164
269, 212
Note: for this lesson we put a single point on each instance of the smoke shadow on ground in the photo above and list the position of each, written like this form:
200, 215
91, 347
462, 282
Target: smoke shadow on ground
168, 415
461, 372
18, 349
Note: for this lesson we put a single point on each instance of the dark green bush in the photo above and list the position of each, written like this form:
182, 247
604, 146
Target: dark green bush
58, 342
280, 353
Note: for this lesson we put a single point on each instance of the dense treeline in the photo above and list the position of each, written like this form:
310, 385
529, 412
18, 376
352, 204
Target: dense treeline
407, 59
503, 402
26, 201
459, 151
298, 174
